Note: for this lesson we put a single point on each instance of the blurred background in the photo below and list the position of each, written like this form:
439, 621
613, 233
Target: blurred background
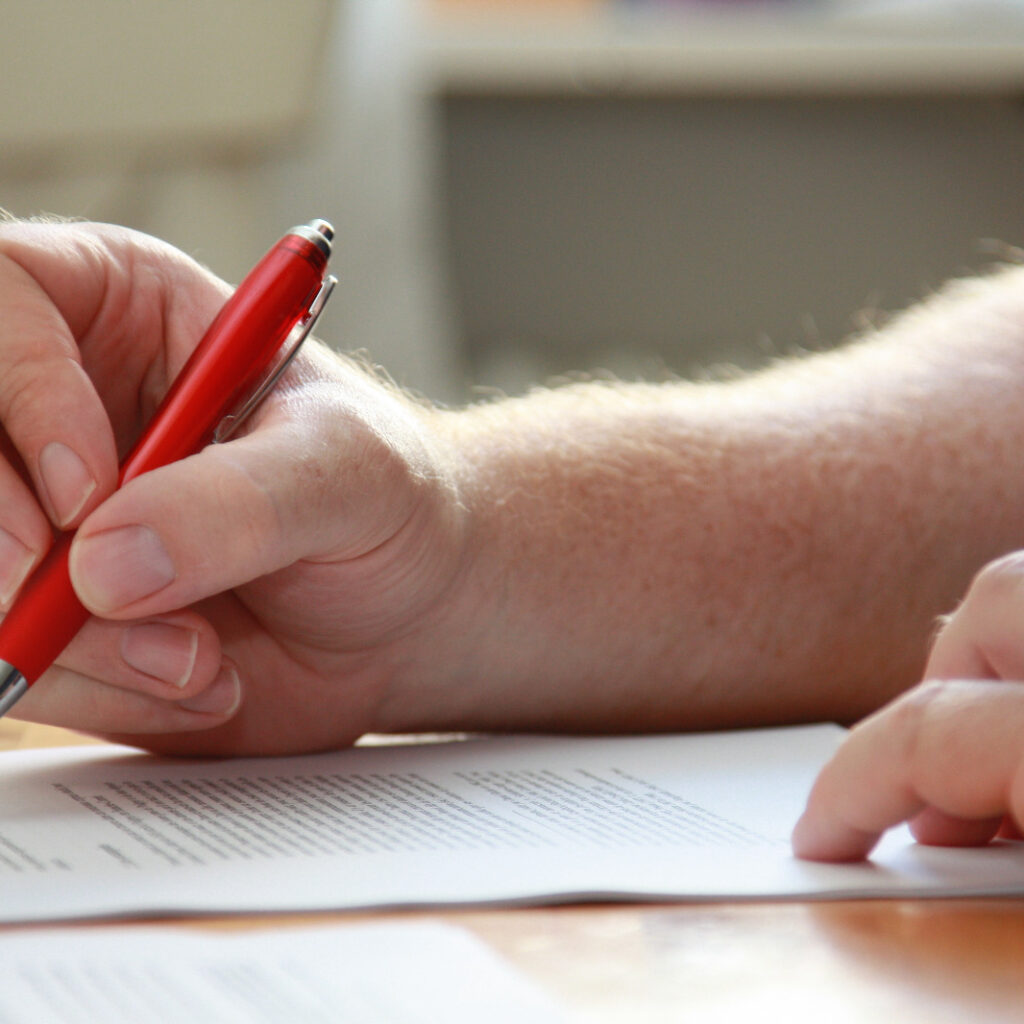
527, 188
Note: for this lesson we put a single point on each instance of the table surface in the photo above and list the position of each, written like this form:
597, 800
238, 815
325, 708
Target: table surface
823, 962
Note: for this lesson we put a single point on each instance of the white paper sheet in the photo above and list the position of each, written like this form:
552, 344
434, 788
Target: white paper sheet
416, 973
102, 831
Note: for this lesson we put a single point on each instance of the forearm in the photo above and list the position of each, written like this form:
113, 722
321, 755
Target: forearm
773, 549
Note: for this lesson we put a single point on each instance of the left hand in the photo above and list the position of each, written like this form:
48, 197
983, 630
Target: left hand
948, 756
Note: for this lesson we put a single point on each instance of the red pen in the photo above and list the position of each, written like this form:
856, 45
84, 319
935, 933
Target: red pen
241, 355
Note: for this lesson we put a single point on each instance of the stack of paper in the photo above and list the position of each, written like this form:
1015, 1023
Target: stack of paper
103, 831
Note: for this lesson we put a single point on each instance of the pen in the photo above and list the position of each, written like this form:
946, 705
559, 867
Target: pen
241, 355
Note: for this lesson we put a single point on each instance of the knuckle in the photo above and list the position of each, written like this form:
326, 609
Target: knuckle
912, 718
999, 580
20, 398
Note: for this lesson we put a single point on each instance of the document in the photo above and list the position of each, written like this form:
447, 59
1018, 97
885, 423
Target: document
105, 831
416, 973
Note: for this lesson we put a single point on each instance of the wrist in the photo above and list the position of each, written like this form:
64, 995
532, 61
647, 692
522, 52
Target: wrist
550, 622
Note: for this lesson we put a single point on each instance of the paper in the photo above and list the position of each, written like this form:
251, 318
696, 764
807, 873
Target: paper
102, 831
414, 973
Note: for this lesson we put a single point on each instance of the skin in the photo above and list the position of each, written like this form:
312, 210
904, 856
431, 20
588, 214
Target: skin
290, 591
596, 557
947, 756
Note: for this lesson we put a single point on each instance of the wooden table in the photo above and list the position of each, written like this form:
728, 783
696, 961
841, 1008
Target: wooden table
904, 961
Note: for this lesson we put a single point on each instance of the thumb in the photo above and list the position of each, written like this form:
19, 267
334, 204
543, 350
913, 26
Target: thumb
314, 482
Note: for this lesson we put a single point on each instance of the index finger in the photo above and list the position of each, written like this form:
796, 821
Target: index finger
947, 746
49, 408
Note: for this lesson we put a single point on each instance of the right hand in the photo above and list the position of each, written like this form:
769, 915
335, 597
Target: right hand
262, 596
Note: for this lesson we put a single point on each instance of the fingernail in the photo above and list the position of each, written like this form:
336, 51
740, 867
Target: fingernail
115, 568
160, 650
66, 480
15, 562
222, 697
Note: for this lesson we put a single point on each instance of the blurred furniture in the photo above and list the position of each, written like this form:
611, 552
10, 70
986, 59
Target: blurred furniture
527, 188
655, 186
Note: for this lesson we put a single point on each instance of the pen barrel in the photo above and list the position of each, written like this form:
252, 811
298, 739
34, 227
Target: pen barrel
238, 348
233, 356
46, 616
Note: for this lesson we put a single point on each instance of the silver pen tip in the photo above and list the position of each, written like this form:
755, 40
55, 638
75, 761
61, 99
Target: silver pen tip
13, 686
324, 227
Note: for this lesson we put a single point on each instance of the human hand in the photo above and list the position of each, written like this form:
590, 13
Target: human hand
258, 597
947, 756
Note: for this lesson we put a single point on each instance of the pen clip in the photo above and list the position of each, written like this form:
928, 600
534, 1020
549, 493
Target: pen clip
227, 426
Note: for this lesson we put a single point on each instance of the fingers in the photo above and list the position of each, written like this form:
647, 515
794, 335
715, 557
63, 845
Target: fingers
946, 753
48, 406
199, 527
163, 675
96, 321
935, 828
24, 533
948, 756
88, 311
315, 481
173, 656
983, 639
65, 698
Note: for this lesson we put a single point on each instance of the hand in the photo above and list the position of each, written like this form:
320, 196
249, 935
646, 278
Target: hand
949, 755
259, 597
